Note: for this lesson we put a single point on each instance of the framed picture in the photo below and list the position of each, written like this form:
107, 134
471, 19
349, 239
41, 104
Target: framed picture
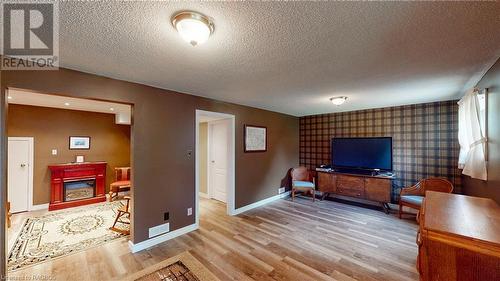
79, 142
255, 138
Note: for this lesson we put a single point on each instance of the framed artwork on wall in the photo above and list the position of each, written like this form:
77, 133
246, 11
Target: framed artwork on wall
255, 138
79, 143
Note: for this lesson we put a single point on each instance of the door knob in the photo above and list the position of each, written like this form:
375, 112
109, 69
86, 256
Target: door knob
23, 165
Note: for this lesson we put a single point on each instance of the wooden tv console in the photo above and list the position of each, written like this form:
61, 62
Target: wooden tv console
373, 188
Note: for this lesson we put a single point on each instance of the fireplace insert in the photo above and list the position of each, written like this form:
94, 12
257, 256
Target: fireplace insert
79, 189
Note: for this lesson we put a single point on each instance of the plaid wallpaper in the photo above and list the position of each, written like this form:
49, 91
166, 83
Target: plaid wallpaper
425, 138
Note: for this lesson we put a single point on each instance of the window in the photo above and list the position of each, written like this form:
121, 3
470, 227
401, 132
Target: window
472, 110
481, 97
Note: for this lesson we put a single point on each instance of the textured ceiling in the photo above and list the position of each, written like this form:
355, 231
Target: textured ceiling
290, 57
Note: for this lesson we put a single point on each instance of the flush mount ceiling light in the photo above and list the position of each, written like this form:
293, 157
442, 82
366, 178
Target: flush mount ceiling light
338, 100
193, 27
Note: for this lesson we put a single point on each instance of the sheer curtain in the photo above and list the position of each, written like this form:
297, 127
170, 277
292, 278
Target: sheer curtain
471, 137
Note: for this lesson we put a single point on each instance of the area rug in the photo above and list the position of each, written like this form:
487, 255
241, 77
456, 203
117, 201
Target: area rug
59, 233
183, 267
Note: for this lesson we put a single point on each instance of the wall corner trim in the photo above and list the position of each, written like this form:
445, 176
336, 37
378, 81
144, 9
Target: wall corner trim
260, 203
134, 248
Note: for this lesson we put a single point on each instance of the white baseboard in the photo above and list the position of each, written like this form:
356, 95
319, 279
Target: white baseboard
134, 248
203, 195
260, 203
39, 207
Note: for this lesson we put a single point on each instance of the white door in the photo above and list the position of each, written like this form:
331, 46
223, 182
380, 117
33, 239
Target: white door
18, 173
218, 143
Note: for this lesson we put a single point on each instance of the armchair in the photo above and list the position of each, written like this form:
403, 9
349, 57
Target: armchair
413, 196
122, 182
303, 181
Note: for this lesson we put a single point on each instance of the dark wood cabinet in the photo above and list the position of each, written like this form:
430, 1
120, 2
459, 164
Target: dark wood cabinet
373, 188
326, 183
458, 238
378, 189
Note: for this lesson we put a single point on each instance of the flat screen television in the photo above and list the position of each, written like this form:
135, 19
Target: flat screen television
362, 153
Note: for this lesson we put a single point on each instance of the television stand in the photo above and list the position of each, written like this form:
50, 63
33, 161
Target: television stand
365, 186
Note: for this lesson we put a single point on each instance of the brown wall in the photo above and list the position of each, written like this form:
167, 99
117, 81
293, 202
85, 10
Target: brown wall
425, 138
163, 132
51, 129
490, 188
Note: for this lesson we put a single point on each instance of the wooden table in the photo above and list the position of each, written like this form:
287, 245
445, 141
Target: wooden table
459, 238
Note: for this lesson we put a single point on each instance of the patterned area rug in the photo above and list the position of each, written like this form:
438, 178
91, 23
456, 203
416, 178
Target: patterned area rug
183, 267
64, 232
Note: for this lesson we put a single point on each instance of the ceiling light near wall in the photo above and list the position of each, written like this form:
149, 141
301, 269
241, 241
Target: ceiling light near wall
338, 100
193, 27
112, 109
66, 103
9, 97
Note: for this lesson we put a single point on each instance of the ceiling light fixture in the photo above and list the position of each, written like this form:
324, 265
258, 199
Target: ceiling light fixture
112, 109
338, 100
9, 97
66, 103
193, 27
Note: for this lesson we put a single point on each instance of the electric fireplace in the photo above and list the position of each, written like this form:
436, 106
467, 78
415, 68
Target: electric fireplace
79, 189
76, 184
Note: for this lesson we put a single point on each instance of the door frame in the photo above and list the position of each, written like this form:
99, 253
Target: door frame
31, 145
209, 152
230, 204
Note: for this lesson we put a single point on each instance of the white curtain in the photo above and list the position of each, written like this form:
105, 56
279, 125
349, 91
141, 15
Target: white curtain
471, 137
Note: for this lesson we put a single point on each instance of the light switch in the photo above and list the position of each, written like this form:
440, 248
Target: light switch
54, 151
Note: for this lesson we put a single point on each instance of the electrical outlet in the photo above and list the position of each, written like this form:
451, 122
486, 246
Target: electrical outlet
190, 211
166, 216
281, 190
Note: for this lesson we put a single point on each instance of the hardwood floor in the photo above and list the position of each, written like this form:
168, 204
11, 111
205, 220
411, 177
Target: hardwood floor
283, 240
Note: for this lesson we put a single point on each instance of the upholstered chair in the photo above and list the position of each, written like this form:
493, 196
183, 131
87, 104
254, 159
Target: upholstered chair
413, 196
121, 183
303, 181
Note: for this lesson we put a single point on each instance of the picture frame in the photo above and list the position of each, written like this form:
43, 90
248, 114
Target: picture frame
79, 143
255, 138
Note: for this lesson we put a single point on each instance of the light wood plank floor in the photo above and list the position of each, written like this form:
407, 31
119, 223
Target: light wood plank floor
283, 240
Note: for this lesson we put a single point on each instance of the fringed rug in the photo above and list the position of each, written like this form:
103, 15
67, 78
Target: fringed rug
59, 233
183, 267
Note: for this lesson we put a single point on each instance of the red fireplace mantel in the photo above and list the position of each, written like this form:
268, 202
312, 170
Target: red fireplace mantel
76, 171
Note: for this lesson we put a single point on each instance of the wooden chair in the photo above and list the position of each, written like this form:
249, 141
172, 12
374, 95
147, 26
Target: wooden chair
122, 211
121, 183
413, 196
303, 181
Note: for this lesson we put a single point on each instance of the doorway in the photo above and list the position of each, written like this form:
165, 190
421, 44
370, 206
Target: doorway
60, 178
215, 158
20, 174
